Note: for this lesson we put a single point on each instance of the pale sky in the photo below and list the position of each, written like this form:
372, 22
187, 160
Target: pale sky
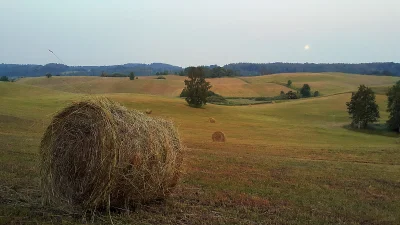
199, 32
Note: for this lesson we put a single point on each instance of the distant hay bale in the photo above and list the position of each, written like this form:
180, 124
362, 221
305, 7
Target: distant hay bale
273, 102
218, 136
96, 154
212, 120
149, 111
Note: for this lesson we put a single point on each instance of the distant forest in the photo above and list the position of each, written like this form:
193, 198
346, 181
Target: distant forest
233, 69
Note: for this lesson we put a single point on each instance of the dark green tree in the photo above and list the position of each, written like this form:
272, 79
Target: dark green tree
48, 75
131, 76
289, 83
4, 78
196, 87
362, 107
316, 94
393, 107
305, 91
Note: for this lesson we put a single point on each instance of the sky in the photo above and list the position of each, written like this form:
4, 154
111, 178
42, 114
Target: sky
199, 32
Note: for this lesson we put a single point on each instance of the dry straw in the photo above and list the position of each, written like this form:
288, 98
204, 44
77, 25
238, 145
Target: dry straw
218, 136
97, 154
149, 111
212, 120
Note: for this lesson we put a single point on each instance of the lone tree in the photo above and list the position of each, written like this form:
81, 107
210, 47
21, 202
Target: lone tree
196, 87
131, 76
305, 91
362, 107
393, 107
289, 83
48, 75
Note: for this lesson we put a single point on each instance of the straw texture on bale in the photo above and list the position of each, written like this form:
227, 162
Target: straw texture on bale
96, 153
218, 136
212, 120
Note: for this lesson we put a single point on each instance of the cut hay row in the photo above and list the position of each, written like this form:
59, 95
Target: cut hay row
96, 154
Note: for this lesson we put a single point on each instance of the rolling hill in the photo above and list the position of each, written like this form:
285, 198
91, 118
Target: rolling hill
265, 86
294, 162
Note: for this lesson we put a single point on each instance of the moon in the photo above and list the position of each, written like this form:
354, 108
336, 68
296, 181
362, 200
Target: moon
307, 47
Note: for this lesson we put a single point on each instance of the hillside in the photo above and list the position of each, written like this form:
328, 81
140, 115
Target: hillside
295, 162
325, 83
266, 86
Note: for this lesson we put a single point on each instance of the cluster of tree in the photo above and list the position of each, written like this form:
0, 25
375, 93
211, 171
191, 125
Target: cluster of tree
213, 71
4, 78
290, 95
305, 92
254, 69
363, 109
48, 75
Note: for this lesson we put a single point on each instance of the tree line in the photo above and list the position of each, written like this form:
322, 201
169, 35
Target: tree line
255, 69
233, 69
212, 71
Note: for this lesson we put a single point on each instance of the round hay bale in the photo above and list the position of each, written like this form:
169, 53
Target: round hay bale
149, 111
273, 102
96, 154
212, 120
218, 136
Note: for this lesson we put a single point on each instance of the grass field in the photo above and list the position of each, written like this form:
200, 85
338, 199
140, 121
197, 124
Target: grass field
325, 83
262, 86
293, 162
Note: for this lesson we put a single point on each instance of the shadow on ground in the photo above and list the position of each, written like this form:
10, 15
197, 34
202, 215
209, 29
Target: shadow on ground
375, 129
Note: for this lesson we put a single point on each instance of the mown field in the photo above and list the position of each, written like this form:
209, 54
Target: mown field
293, 162
325, 83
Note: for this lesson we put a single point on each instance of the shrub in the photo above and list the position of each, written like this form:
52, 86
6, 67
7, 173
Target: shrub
292, 95
289, 83
48, 75
161, 78
316, 94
